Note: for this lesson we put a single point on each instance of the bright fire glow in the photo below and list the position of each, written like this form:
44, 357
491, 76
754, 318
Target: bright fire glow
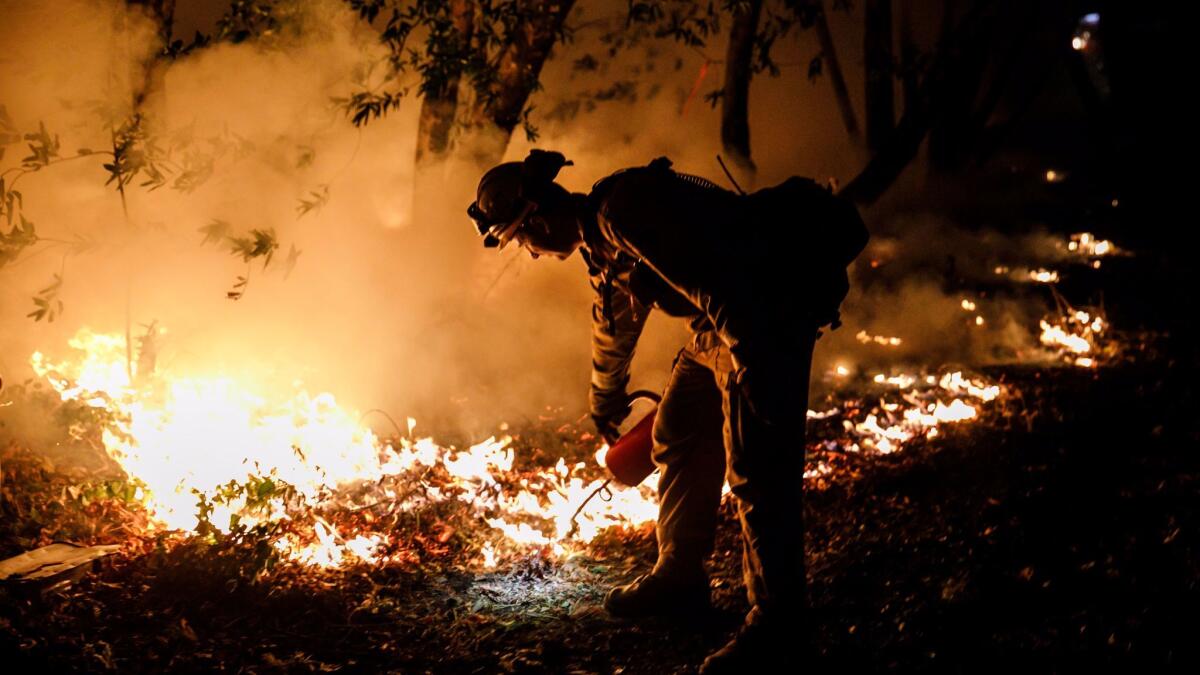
865, 338
186, 437
1087, 245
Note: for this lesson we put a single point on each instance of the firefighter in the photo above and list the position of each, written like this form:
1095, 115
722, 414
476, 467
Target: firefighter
735, 406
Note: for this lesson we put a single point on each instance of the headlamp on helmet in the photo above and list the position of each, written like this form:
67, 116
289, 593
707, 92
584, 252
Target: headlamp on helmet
497, 233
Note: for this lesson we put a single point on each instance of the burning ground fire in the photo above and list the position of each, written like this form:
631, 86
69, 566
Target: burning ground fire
211, 451
188, 440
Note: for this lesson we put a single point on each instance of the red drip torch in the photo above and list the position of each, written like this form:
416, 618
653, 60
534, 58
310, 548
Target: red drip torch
629, 459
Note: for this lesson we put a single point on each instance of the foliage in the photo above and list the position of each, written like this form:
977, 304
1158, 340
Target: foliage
257, 244
47, 304
315, 200
694, 24
446, 57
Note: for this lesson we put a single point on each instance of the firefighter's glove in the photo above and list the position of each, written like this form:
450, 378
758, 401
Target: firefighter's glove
609, 409
607, 426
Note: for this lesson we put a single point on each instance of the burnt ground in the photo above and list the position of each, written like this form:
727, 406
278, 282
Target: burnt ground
1057, 539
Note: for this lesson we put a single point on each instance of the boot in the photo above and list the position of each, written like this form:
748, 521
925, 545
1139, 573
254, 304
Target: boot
757, 648
654, 595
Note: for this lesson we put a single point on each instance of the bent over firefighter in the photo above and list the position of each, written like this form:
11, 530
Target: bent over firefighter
757, 276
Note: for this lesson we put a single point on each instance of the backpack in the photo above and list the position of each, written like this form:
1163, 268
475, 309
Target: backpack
822, 232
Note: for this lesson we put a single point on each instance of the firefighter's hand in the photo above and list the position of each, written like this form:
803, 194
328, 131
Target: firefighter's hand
607, 425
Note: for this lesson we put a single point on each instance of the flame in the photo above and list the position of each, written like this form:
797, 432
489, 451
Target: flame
1075, 336
1043, 276
1087, 245
919, 413
864, 338
185, 438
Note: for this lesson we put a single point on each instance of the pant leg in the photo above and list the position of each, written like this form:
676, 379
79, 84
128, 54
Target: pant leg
766, 475
690, 454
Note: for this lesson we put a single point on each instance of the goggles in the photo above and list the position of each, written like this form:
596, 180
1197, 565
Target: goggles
498, 233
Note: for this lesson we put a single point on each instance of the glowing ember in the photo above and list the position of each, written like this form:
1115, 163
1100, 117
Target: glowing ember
918, 413
902, 381
1055, 336
1087, 245
1075, 336
957, 384
1044, 276
864, 338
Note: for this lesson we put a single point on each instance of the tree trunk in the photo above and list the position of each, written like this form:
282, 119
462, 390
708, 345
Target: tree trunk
145, 75
499, 110
877, 58
945, 74
829, 57
439, 103
163, 13
908, 55
735, 104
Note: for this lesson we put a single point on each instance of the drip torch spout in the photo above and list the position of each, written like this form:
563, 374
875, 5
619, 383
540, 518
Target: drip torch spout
628, 459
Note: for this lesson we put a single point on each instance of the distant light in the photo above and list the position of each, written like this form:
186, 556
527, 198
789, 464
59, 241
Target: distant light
1053, 176
1091, 19
979, 321
1079, 43
968, 305
1095, 264
843, 371
1115, 203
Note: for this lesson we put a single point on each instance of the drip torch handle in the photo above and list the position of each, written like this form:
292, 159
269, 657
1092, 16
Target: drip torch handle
645, 394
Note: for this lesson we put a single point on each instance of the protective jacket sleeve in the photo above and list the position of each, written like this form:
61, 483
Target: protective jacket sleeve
617, 322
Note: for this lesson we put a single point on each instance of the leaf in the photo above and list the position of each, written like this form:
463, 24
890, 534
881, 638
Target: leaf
814, 68
305, 157
215, 231
314, 202
289, 263
260, 244
46, 303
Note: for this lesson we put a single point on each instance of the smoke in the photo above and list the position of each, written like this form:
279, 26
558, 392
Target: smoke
391, 302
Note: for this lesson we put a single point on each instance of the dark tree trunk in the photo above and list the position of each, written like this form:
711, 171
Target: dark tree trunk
439, 104
834, 69
909, 74
146, 75
877, 58
163, 13
948, 73
498, 111
735, 103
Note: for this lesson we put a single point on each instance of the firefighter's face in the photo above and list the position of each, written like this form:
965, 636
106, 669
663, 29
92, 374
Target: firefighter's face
551, 230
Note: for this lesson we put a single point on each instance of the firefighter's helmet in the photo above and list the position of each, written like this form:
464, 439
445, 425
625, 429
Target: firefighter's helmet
499, 207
